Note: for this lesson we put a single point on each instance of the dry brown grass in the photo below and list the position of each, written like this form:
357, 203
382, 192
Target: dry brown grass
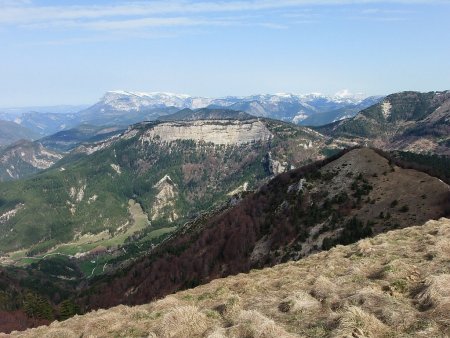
356, 323
323, 288
436, 298
394, 285
299, 301
251, 323
185, 321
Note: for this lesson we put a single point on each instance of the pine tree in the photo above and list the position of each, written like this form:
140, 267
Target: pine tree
68, 309
37, 307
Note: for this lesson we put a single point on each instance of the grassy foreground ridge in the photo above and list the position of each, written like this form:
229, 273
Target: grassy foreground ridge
396, 284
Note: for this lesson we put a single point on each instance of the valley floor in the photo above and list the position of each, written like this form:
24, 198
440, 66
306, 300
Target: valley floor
393, 285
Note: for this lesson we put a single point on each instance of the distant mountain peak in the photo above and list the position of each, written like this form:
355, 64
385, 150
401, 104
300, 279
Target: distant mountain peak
146, 94
287, 95
347, 94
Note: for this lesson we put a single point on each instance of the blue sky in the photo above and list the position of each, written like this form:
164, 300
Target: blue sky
56, 52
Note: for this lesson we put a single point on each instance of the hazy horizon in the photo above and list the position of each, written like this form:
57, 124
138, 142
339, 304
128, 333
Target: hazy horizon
54, 54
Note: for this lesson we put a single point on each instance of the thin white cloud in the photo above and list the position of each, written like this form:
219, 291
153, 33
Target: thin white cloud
155, 22
24, 12
369, 11
12, 3
123, 24
381, 15
94, 39
161, 19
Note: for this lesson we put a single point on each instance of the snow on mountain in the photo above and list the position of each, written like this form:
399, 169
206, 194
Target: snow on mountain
283, 106
126, 100
299, 117
346, 96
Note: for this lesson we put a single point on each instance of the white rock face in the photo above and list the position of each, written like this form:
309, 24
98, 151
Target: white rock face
80, 194
94, 147
77, 195
10, 173
116, 168
276, 167
210, 131
164, 204
386, 109
307, 145
92, 199
11, 213
129, 134
72, 207
241, 188
297, 187
34, 154
43, 158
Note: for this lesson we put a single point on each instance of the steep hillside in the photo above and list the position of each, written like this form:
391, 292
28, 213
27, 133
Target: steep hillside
11, 132
352, 195
25, 158
170, 170
338, 201
408, 121
395, 284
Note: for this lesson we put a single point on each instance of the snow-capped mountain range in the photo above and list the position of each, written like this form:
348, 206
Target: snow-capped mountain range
122, 108
284, 106
127, 100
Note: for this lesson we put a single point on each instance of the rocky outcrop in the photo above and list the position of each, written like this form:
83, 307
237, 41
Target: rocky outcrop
10, 213
164, 204
275, 166
25, 158
34, 154
211, 131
